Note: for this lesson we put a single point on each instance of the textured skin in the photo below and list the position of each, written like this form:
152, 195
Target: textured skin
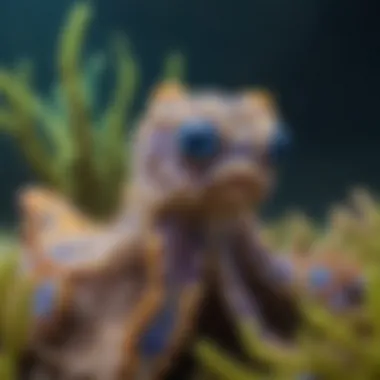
188, 249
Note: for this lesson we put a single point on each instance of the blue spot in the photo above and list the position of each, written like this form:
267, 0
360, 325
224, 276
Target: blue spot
320, 277
198, 140
44, 299
280, 145
154, 341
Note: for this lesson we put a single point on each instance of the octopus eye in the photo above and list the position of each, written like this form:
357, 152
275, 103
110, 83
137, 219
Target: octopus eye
280, 145
198, 140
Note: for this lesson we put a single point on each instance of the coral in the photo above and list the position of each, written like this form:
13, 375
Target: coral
330, 345
82, 154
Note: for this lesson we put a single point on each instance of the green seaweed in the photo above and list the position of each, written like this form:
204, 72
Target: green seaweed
292, 231
174, 68
85, 154
15, 319
8, 367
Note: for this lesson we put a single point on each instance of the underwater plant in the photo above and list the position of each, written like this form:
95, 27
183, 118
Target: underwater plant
293, 231
16, 315
330, 345
70, 145
78, 159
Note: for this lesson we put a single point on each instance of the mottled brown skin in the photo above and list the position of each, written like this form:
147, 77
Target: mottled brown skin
216, 323
214, 320
164, 187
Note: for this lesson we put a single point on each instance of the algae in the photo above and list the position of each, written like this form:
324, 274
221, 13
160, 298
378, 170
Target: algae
16, 316
83, 162
69, 143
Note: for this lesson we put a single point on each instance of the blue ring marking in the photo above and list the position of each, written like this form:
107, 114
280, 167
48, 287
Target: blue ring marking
319, 278
155, 339
45, 298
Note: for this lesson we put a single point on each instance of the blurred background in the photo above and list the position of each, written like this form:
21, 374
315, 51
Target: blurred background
321, 57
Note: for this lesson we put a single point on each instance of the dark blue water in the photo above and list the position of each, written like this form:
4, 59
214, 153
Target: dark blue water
321, 56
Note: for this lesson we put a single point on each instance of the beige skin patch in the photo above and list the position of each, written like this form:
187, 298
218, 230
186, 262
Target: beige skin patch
54, 214
213, 107
65, 251
168, 106
256, 117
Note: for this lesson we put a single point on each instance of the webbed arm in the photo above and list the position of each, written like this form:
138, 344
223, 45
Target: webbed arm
258, 270
151, 301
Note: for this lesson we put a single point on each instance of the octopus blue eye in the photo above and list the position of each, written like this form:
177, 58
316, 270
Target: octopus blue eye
198, 140
280, 145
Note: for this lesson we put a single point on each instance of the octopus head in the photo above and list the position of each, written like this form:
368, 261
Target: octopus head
215, 153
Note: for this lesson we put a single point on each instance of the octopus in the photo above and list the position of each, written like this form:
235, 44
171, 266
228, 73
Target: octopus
183, 259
